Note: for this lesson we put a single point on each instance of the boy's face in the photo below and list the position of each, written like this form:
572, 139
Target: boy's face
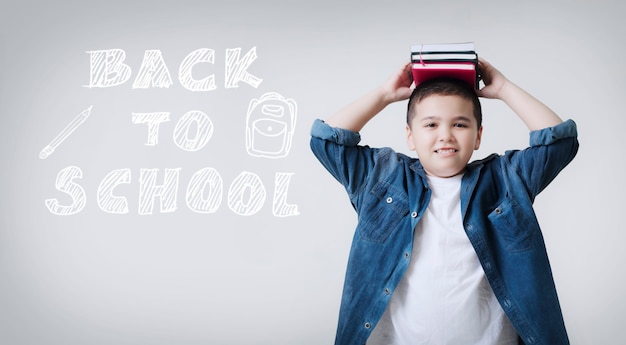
444, 133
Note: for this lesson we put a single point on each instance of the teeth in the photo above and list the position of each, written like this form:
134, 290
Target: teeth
446, 151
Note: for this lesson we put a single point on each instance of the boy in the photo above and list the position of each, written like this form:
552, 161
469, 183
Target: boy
446, 252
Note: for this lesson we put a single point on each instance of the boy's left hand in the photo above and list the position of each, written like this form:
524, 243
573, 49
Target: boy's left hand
493, 79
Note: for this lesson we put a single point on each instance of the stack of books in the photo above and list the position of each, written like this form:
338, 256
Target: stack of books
453, 60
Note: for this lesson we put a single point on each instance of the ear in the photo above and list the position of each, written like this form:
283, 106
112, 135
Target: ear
479, 136
409, 138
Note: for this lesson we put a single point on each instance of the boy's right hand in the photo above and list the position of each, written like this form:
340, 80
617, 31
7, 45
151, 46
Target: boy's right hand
356, 114
398, 87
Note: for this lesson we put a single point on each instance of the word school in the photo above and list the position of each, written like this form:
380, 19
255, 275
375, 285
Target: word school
204, 194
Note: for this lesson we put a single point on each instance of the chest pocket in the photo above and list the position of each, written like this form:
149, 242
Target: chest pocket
382, 212
514, 226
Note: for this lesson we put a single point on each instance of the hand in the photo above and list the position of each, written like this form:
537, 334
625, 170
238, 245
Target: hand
398, 87
493, 79
356, 114
535, 114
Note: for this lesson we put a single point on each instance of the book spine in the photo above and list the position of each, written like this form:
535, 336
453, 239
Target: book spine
444, 57
422, 59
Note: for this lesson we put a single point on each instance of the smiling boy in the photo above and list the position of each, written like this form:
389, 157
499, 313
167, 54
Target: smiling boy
443, 130
446, 252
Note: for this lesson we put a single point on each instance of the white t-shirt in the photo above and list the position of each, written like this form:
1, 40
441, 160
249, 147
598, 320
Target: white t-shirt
444, 297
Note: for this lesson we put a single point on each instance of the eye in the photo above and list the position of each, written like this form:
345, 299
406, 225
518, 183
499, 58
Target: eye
460, 125
430, 125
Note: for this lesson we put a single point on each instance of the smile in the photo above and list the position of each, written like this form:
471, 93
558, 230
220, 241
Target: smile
446, 151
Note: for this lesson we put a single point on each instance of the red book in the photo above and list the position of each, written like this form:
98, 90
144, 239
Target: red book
465, 71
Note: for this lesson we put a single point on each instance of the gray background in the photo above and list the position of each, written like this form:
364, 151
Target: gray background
189, 278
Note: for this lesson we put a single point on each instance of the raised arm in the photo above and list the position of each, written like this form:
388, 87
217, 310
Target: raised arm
533, 113
355, 115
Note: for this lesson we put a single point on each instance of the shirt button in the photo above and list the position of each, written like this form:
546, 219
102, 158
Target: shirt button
406, 255
414, 214
507, 303
498, 210
387, 291
367, 325
389, 200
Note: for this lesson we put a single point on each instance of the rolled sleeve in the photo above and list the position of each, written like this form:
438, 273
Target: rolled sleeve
547, 136
339, 136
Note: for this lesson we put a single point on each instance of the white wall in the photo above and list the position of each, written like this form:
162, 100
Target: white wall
223, 278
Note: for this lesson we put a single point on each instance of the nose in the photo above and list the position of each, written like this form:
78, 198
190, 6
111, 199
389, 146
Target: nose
445, 134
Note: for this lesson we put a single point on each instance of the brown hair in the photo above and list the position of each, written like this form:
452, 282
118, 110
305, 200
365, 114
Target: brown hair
444, 87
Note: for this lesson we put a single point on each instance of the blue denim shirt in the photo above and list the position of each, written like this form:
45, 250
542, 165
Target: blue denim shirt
389, 191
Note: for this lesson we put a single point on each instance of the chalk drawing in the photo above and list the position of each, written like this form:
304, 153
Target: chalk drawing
69, 129
246, 194
197, 140
270, 124
153, 121
167, 192
280, 208
106, 200
106, 68
236, 68
65, 183
153, 72
206, 179
185, 68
